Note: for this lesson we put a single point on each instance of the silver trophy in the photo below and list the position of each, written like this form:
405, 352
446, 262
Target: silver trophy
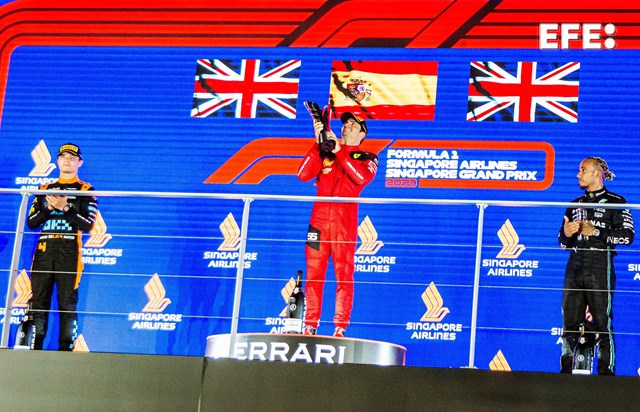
579, 215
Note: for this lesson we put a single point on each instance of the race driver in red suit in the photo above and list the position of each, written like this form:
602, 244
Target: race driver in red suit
333, 229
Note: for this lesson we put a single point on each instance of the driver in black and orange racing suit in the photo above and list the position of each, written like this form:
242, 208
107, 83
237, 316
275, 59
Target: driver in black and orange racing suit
57, 259
333, 229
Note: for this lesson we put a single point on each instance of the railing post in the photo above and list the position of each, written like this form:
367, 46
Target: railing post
244, 228
13, 272
476, 286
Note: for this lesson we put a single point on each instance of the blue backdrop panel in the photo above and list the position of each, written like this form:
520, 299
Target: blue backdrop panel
130, 111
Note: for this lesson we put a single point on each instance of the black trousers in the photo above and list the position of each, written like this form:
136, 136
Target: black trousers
62, 267
589, 282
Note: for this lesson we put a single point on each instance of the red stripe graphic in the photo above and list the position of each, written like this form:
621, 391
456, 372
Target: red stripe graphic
281, 156
271, 156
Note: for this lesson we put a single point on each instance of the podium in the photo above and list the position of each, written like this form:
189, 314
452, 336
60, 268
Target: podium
305, 348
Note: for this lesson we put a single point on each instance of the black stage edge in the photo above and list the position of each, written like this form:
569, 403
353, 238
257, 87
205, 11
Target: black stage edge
59, 381
69, 381
278, 386
232, 385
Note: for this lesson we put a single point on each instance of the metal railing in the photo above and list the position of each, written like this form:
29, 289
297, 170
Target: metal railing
247, 199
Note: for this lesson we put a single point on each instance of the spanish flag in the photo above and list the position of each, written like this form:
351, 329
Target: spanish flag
384, 90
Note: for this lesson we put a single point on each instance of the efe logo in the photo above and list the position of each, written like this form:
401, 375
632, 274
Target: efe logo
588, 36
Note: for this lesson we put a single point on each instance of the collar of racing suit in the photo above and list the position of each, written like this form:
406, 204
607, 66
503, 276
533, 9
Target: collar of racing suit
68, 181
595, 193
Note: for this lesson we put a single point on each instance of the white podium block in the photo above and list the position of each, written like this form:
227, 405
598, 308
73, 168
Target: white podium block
304, 348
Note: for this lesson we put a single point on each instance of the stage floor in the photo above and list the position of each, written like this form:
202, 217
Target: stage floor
63, 381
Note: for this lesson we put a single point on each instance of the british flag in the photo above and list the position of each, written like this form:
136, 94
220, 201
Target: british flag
523, 92
246, 88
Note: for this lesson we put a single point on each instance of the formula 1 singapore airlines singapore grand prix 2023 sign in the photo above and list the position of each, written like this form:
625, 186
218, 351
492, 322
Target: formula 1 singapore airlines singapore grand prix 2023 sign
464, 100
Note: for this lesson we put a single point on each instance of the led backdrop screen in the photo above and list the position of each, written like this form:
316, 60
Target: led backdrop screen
480, 100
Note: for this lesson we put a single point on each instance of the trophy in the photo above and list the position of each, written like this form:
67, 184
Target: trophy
324, 116
579, 215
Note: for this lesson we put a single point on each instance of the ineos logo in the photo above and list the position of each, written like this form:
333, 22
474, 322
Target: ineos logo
619, 240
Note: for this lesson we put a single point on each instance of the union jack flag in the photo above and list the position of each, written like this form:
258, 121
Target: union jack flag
246, 88
523, 92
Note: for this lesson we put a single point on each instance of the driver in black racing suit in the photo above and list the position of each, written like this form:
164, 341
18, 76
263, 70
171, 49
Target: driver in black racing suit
592, 235
57, 259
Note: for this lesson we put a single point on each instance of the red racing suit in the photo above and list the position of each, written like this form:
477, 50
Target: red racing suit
333, 229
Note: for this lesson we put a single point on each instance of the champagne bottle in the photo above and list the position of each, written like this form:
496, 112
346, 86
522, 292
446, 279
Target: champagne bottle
26, 333
295, 311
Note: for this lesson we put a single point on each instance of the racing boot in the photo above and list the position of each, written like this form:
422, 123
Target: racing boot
566, 361
583, 355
